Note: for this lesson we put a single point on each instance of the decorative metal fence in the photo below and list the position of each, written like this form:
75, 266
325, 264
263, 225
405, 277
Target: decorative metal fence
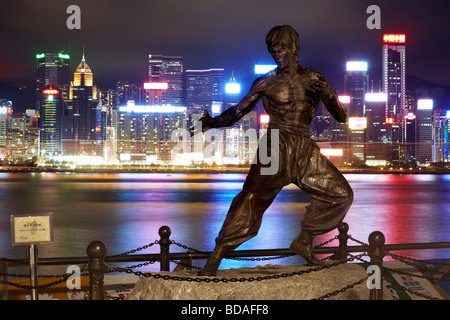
98, 263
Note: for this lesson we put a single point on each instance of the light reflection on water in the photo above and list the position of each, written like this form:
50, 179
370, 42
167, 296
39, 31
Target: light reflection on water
126, 210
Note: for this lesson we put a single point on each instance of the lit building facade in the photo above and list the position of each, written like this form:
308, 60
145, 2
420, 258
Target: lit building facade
21, 138
377, 139
144, 133
410, 136
169, 70
356, 82
424, 139
440, 135
50, 122
204, 91
52, 69
81, 133
52, 87
232, 95
394, 85
5, 112
394, 73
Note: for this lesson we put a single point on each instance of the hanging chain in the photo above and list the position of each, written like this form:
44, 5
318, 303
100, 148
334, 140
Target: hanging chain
110, 268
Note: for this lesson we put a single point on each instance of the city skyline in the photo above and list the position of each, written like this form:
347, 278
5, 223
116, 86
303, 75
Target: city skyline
77, 123
145, 132
117, 38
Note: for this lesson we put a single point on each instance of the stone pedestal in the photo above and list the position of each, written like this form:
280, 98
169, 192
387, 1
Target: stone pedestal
305, 286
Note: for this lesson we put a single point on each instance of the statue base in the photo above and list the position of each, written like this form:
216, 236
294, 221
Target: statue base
306, 286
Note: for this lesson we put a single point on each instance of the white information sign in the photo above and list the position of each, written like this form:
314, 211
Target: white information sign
31, 229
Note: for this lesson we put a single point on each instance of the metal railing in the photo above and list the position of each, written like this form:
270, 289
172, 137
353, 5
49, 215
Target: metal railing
97, 261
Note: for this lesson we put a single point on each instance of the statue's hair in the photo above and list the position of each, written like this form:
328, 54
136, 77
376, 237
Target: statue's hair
284, 36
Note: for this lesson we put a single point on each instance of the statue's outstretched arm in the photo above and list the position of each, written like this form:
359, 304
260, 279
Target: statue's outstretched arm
233, 114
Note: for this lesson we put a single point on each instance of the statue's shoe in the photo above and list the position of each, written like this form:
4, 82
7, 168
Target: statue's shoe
207, 272
212, 264
303, 248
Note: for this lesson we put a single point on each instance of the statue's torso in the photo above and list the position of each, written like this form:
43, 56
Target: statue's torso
290, 100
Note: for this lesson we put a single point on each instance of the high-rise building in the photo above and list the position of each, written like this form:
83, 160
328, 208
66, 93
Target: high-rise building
81, 133
394, 85
440, 135
204, 91
22, 138
410, 136
144, 133
356, 81
50, 122
156, 93
376, 135
424, 139
249, 135
240, 139
167, 70
394, 73
5, 112
52, 87
52, 69
110, 99
410, 102
232, 94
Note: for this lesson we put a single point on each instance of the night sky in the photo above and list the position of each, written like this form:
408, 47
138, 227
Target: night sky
118, 35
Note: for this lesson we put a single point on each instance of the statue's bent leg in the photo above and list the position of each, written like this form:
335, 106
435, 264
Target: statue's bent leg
244, 217
331, 197
241, 224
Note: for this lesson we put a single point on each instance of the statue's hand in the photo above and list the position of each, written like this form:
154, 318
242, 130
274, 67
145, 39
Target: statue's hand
318, 87
205, 124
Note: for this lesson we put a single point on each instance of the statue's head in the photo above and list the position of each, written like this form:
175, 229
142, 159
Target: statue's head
286, 37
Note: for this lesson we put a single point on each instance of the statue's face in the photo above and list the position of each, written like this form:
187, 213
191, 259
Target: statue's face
282, 56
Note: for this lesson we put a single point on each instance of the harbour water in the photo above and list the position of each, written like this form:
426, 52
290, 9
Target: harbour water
125, 211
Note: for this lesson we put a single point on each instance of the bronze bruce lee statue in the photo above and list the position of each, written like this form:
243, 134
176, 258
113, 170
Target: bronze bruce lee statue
290, 95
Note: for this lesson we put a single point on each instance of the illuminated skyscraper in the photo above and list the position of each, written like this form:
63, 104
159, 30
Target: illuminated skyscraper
52, 69
424, 131
5, 112
394, 85
394, 73
169, 70
144, 133
232, 93
440, 135
376, 136
22, 138
52, 87
204, 91
409, 132
356, 81
50, 121
81, 133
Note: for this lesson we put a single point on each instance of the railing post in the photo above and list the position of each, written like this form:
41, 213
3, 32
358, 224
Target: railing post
376, 254
96, 252
342, 237
164, 243
3, 278
32, 254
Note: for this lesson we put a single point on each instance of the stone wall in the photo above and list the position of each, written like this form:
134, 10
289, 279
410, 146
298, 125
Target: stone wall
305, 286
